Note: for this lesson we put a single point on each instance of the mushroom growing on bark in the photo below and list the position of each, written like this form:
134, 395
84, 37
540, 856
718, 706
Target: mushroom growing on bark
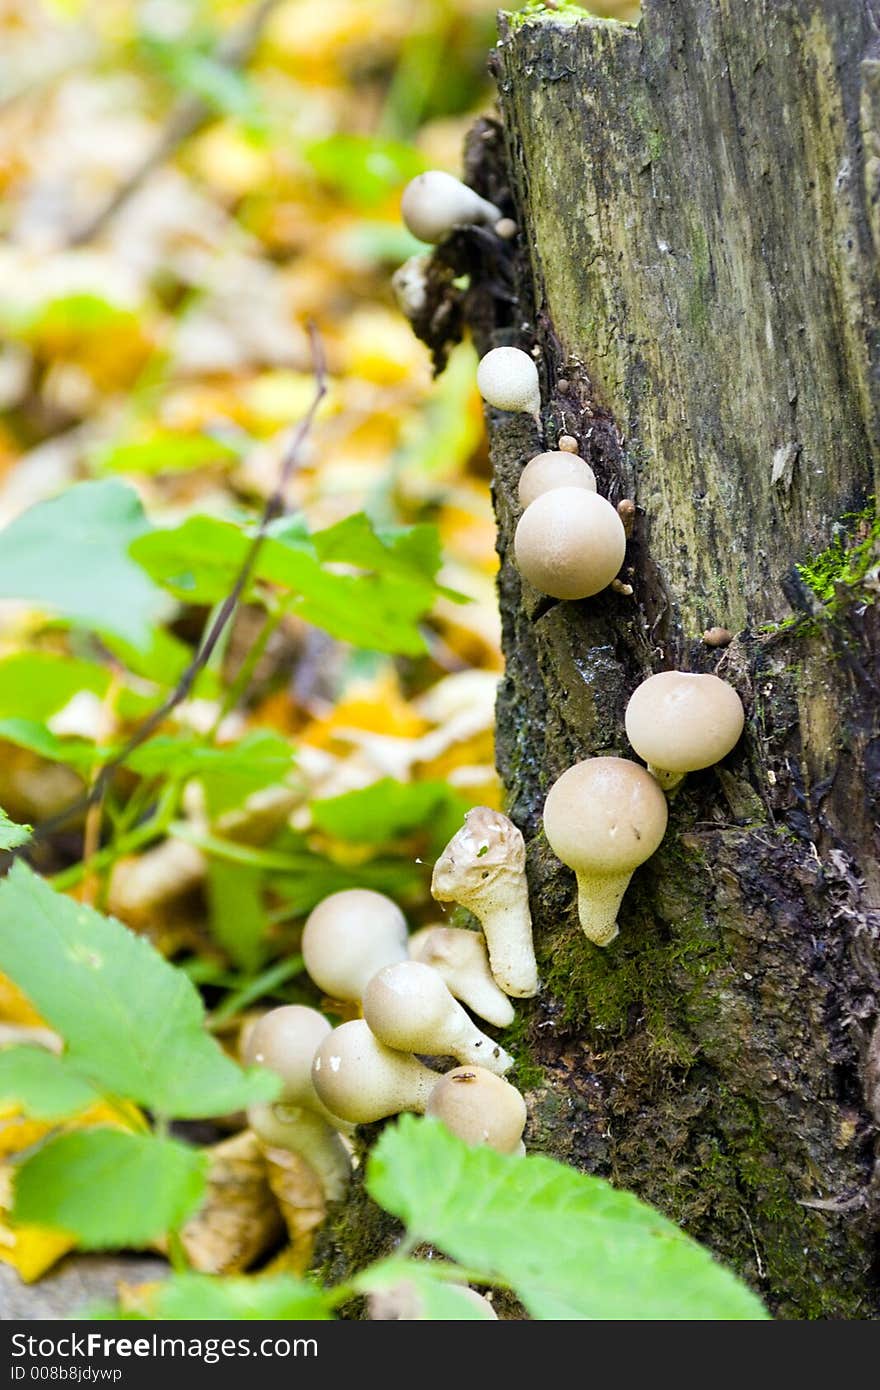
555, 468
569, 543
508, 379
481, 1108
348, 937
284, 1041
435, 203
603, 818
680, 721
408, 1007
484, 868
360, 1079
461, 959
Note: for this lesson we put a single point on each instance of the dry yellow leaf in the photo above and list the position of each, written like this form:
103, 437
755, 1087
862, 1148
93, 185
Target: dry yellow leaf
239, 1219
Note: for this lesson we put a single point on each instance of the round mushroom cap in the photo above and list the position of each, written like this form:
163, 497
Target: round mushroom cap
570, 543
285, 1041
403, 995
480, 1108
605, 816
556, 468
435, 202
679, 721
508, 379
359, 1079
348, 937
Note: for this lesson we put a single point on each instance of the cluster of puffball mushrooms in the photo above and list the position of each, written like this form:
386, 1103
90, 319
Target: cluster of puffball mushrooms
603, 817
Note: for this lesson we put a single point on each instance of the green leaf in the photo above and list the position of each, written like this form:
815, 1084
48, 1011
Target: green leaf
364, 168
108, 1188
238, 915
229, 774
27, 733
46, 1086
202, 1297
380, 609
133, 1024
387, 809
70, 555
570, 1245
11, 834
166, 452
35, 685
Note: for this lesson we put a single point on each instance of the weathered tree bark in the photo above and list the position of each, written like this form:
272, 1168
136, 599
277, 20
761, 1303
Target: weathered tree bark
699, 209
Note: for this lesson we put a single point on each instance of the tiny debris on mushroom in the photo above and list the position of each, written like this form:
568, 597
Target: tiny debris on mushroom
681, 721
435, 203
484, 869
348, 937
408, 1007
567, 443
361, 1080
461, 959
481, 1108
603, 818
570, 543
555, 468
508, 379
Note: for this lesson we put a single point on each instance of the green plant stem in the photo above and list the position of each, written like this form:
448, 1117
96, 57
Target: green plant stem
157, 825
239, 686
263, 984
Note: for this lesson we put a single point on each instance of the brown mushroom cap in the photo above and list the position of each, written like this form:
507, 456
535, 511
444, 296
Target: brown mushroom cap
556, 468
480, 1108
570, 543
348, 937
680, 721
605, 816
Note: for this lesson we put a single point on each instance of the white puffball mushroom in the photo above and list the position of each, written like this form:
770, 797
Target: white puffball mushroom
461, 959
603, 818
302, 1131
680, 721
348, 937
435, 203
362, 1080
555, 468
480, 1108
410, 285
569, 543
408, 1007
508, 379
484, 869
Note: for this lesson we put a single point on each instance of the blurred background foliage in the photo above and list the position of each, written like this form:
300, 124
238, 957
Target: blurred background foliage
184, 186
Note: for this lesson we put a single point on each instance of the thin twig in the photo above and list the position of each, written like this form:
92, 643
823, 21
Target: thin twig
274, 507
188, 116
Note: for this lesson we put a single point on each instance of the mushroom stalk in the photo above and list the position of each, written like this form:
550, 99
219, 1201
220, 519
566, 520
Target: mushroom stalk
669, 781
409, 1008
484, 868
599, 899
462, 962
303, 1132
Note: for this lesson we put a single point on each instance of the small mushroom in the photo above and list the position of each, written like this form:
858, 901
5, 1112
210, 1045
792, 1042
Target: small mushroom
508, 379
461, 959
481, 1108
603, 817
567, 444
284, 1041
435, 203
408, 1007
555, 468
484, 868
349, 937
569, 543
680, 721
360, 1079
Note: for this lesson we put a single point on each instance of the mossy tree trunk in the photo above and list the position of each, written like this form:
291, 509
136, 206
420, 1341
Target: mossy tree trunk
697, 268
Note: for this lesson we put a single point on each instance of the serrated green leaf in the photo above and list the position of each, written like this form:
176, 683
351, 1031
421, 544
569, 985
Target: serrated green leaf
70, 555
133, 1024
11, 834
387, 808
229, 774
570, 1245
380, 609
200, 1296
108, 1188
44, 1085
